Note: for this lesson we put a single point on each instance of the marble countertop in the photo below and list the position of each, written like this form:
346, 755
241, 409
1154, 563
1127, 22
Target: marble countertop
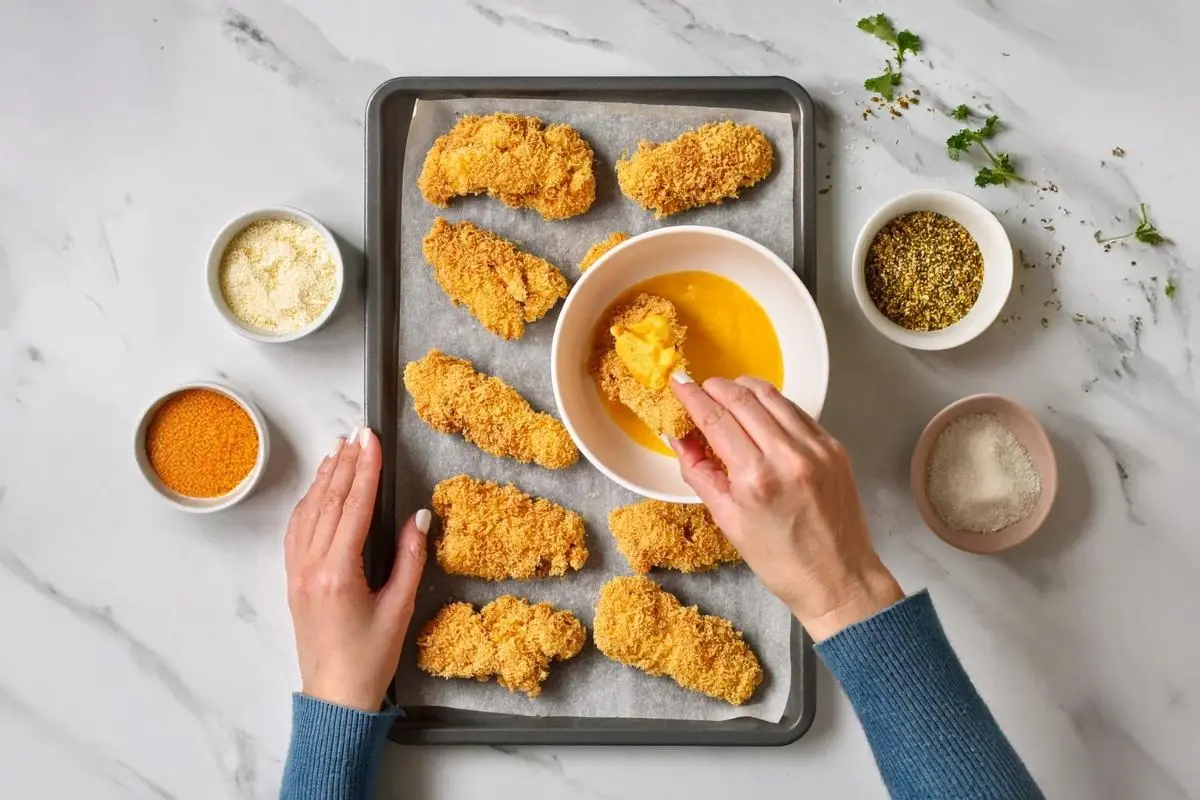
145, 653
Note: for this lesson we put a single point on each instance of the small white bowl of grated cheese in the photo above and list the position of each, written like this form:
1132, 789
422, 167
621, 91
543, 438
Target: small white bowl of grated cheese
275, 274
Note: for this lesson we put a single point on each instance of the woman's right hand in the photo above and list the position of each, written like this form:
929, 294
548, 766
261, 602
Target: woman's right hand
787, 502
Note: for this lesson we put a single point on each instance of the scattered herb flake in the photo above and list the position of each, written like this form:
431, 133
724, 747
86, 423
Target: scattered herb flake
1170, 289
961, 112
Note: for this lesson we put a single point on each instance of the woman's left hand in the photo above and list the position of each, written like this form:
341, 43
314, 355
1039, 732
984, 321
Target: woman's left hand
348, 638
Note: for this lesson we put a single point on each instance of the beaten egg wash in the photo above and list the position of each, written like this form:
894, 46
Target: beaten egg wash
728, 335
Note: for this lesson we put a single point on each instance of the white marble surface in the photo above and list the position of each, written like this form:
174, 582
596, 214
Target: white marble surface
144, 653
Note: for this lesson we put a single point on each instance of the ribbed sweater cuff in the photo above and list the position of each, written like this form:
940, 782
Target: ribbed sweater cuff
334, 750
931, 733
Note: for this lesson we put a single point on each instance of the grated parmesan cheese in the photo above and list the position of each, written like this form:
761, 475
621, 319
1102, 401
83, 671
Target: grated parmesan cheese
277, 275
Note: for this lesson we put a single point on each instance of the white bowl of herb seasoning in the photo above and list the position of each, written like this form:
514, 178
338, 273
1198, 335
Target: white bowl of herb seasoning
932, 269
275, 274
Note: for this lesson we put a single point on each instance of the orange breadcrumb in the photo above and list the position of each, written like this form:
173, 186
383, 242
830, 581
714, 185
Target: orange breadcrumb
451, 397
517, 160
658, 408
680, 536
508, 638
640, 624
500, 285
600, 248
703, 166
497, 532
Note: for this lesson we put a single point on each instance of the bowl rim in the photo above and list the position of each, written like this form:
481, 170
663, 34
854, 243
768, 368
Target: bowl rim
969, 541
235, 225
202, 505
572, 296
976, 321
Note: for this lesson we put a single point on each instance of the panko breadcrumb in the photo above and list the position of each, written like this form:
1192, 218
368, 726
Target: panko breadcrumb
600, 248
508, 638
451, 397
500, 285
497, 532
707, 165
658, 408
518, 160
640, 624
680, 536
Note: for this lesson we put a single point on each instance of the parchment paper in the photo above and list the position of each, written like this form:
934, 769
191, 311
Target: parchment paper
589, 685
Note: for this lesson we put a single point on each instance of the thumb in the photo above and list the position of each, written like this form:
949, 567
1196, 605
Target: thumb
701, 472
398, 595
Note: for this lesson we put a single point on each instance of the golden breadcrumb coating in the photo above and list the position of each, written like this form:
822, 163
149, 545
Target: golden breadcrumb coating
705, 165
659, 409
500, 285
517, 160
600, 248
508, 638
451, 397
639, 623
680, 536
497, 532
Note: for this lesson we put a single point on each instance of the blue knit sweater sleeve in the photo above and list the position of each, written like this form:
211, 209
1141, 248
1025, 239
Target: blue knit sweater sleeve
334, 751
931, 733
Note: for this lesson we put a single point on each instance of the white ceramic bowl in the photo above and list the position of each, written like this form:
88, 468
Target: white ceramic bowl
1029, 432
761, 273
202, 505
993, 243
236, 226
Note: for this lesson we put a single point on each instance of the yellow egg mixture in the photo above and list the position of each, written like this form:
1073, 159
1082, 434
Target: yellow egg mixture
728, 335
647, 348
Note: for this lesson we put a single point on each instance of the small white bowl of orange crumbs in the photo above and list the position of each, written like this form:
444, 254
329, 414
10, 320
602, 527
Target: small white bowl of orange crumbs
275, 274
202, 447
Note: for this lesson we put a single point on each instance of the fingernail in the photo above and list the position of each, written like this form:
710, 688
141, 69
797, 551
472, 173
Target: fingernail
337, 445
422, 520
354, 432
364, 437
679, 376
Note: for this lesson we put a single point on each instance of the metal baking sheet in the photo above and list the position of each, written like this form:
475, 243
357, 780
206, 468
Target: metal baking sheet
389, 116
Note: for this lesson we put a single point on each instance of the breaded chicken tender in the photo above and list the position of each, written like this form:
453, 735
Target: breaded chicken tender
703, 166
517, 160
658, 408
640, 624
600, 248
500, 285
680, 536
508, 638
497, 532
451, 397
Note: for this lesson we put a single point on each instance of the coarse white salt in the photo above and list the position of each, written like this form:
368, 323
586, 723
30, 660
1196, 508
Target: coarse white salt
980, 477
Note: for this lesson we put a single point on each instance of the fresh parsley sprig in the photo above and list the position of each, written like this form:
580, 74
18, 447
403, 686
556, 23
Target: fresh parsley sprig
1001, 172
903, 42
960, 112
884, 85
881, 27
1144, 232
